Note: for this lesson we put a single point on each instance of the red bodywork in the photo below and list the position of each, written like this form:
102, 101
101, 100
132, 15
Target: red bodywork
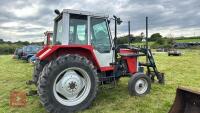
131, 61
51, 52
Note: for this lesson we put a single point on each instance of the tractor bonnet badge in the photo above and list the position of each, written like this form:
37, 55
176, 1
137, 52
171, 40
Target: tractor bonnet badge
18, 99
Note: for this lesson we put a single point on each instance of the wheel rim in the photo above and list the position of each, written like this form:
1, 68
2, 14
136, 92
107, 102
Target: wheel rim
72, 86
141, 86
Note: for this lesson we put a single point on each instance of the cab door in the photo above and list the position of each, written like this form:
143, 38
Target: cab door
101, 41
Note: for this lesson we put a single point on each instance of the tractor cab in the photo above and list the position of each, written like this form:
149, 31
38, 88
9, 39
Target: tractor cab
83, 29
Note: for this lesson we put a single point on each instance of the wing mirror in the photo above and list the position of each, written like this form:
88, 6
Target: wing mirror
57, 11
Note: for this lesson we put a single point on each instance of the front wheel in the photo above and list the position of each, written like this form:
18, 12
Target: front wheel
68, 85
139, 84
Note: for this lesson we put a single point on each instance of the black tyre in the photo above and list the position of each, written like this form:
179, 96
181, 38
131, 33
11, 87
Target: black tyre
151, 76
37, 71
29, 60
161, 78
69, 84
139, 84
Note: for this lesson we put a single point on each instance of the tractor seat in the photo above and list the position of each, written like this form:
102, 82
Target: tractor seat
130, 55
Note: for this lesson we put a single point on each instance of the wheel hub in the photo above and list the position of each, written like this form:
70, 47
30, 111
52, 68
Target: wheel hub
72, 86
141, 86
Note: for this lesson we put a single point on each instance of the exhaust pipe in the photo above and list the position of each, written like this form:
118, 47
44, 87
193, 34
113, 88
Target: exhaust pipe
186, 101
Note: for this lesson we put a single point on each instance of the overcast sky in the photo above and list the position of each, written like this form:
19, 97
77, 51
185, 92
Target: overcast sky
29, 19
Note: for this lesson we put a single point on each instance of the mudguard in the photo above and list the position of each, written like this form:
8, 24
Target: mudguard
50, 52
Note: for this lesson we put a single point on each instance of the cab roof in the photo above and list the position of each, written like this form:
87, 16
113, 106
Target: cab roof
70, 11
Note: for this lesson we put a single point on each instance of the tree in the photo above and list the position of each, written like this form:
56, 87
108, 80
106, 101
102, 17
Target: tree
25, 43
155, 37
1, 41
171, 41
161, 41
125, 39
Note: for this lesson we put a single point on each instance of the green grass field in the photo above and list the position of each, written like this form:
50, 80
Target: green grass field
179, 71
189, 40
178, 41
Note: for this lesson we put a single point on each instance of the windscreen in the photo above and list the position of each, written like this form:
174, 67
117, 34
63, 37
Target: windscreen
78, 29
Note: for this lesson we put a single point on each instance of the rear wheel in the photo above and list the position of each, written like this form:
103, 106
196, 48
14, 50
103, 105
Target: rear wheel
68, 85
139, 84
37, 71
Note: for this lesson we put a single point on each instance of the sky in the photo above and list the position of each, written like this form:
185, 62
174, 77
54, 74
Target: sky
27, 20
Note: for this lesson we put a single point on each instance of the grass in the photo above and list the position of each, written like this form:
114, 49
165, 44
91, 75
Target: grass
179, 71
177, 40
189, 40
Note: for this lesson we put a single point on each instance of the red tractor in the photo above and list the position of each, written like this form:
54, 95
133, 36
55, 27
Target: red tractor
48, 39
84, 56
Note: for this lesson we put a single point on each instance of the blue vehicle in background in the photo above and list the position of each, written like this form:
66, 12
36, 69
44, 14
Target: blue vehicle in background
18, 53
29, 51
32, 59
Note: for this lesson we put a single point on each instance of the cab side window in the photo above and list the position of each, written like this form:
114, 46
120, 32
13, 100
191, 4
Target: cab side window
100, 38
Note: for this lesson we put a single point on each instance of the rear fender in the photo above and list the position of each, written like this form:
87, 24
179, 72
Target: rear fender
53, 52
42, 51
